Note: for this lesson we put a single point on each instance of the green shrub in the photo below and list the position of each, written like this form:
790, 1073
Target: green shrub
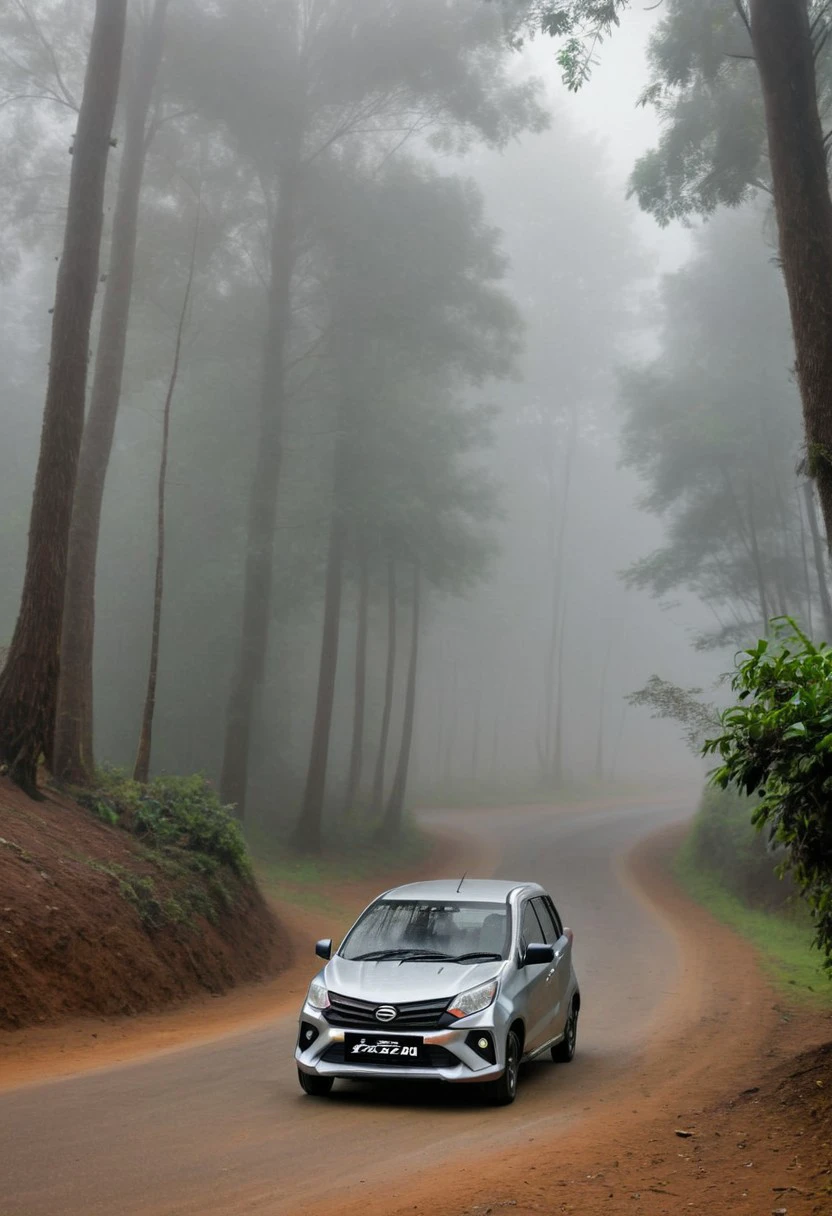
724, 841
172, 812
776, 742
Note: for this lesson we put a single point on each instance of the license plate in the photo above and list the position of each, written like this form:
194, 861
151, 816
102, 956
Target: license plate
383, 1050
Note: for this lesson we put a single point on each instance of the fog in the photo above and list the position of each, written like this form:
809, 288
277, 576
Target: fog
478, 312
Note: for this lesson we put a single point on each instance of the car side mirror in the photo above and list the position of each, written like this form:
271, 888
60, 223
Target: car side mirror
537, 953
323, 948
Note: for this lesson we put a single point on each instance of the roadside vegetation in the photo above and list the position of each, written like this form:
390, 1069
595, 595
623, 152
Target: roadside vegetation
759, 852
726, 865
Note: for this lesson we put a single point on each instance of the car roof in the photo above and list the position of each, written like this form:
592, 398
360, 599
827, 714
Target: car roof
474, 890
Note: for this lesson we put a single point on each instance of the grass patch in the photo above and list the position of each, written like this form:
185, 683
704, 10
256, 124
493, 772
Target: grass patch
312, 882
782, 939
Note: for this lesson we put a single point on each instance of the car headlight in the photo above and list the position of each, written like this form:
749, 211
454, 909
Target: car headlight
474, 1000
317, 996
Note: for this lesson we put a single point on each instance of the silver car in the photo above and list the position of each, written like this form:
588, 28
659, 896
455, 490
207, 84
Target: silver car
451, 981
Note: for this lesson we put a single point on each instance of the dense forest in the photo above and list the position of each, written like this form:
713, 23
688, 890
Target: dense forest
359, 403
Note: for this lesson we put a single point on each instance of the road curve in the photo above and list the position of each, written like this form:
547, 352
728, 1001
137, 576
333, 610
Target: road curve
223, 1128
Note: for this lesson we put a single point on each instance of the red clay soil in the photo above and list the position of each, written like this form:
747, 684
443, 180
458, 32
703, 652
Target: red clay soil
73, 943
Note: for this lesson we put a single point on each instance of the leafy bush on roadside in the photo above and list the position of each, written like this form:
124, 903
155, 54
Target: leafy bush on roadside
171, 812
776, 742
724, 842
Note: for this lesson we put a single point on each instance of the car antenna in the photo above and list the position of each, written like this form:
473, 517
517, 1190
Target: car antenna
461, 881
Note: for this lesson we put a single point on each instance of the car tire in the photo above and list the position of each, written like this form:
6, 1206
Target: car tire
564, 1051
503, 1091
316, 1087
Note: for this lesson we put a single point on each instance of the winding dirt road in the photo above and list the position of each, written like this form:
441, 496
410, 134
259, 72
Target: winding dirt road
223, 1128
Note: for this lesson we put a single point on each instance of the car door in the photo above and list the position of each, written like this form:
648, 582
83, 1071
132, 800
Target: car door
557, 975
535, 990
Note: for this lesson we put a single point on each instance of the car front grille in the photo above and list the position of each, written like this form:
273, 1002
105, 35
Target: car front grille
437, 1057
412, 1015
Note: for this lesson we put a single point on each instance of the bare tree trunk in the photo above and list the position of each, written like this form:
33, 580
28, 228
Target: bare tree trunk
807, 578
784, 53
29, 679
378, 779
616, 751
557, 754
359, 701
395, 804
141, 770
254, 632
557, 544
307, 834
599, 748
758, 564
821, 565
73, 760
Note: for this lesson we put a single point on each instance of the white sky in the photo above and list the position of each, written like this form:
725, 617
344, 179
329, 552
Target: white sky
607, 108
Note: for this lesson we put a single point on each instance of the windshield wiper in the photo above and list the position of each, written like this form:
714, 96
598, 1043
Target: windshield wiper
483, 954
409, 955
424, 956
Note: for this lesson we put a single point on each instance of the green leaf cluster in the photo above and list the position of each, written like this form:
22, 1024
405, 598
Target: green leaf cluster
776, 744
183, 813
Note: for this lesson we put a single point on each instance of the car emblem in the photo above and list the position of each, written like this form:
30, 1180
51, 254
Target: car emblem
385, 1013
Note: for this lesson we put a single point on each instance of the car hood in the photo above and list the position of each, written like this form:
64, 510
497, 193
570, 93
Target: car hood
398, 982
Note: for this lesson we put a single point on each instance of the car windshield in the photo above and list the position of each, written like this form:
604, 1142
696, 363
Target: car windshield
412, 931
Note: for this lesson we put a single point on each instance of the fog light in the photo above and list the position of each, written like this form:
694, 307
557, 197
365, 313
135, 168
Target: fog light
483, 1044
310, 1034
307, 1036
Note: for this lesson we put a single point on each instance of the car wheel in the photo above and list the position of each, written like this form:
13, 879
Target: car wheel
316, 1087
564, 1051
503, 1091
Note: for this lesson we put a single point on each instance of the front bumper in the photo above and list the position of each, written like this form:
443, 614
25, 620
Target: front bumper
453, 1059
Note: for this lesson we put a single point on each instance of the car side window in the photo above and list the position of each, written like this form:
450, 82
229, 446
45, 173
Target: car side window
555, 917
550, 932
530, 929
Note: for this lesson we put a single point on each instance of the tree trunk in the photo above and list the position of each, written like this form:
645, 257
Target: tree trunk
599, 747
254, 632
395, 804
378, 779
557, 754
807, 578
757, 561
141, 770
29, 680
359, 700
307, 835
73, 758
557, 544
784, 54
821, 566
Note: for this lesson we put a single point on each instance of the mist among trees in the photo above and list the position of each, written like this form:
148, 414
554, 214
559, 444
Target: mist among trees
378, 462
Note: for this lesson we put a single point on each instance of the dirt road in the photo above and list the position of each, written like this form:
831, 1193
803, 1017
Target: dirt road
223, 1128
